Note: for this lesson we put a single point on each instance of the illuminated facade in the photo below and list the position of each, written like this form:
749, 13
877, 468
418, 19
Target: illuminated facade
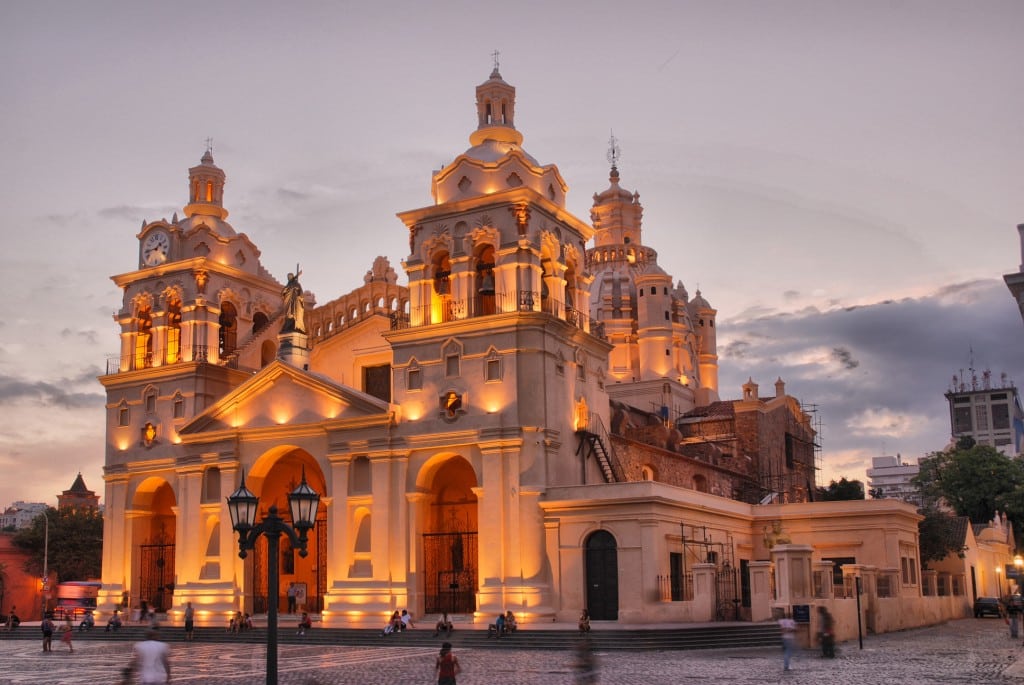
457, 426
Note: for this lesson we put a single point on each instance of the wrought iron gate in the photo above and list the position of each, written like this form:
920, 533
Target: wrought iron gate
450, 570
727, 599
156, 582
261, 580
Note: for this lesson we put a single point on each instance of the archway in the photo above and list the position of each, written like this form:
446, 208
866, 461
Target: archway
450, 552
272, 477
154, 558
602, 576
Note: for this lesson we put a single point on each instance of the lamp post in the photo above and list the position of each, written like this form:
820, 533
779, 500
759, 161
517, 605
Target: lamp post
242, 505
999, 580
1018, 564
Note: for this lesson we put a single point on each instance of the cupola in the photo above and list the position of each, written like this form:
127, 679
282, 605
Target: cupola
206, 189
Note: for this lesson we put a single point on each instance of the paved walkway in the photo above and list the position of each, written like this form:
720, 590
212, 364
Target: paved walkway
977, 651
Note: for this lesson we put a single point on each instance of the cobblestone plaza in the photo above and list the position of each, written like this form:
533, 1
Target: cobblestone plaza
963, 651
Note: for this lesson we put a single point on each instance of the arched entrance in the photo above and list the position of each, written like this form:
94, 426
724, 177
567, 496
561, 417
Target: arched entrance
450, 553
602, 576
155, 530
274, 476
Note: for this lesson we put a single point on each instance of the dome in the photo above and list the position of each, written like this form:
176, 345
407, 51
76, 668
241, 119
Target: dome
492, 151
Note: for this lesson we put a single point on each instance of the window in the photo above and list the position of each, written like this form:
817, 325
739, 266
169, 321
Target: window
179, 406
123, 415
581, 370
414, 379
837, 567
144, 339
377, 381
493, 372
981, 417
150, 402
654, 291
451, 365
173, 330
1000, 416
908, 565
228, 322
211, 484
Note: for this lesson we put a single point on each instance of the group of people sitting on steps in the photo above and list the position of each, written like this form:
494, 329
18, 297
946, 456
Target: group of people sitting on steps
504, 625
398, 622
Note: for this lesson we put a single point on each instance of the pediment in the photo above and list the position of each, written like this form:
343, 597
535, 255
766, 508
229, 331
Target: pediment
281, 395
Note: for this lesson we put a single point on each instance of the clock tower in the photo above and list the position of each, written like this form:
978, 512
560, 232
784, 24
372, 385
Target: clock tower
198, 317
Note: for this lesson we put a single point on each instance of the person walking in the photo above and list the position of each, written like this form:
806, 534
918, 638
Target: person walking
827, 633
788, 628
150, 660
447, 665
66, 631
47, 628
190, 622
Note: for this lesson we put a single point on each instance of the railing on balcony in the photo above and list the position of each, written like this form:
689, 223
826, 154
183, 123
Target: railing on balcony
135, 362
448, 310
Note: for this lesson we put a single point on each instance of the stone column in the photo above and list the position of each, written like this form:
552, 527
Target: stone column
704, 592
760, 590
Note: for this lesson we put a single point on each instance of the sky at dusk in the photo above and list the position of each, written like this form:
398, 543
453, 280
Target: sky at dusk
842, 181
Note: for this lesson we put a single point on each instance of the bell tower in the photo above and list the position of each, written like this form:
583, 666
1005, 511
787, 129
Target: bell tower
206, 188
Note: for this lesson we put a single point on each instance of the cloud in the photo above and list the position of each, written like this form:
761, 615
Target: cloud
135, 213
877, 372
85, 336
845, 357
47, 394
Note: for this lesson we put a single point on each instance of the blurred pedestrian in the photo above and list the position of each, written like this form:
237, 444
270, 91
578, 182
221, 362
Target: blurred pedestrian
447, 665
827, 632
788, 628
586, 665
66, 631
151, 660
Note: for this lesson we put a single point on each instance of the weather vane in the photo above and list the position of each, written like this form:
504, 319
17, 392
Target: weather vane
495, 55
614, 152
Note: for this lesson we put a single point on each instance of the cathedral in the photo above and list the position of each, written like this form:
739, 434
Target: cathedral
527, 418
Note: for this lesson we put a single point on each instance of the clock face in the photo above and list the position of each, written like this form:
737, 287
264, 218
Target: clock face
156, 248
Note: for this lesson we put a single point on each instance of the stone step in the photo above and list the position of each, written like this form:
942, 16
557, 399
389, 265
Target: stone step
726, 636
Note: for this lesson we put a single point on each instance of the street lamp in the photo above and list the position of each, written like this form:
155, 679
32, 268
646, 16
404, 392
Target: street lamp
1018, 563
999, 580
242, 505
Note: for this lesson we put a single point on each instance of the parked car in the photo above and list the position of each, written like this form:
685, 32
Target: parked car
987, 606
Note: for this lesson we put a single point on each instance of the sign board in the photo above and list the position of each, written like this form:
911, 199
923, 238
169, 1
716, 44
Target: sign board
802, 613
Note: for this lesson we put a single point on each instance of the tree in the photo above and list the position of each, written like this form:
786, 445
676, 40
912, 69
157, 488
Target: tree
75, 543
876, 493
974, 481
842, 490
938, 536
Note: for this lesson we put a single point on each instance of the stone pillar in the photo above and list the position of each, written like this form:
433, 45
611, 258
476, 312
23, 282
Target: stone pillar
823, 577
760, 590
492, 525
704, 592
294, 349
792, 575
116, 545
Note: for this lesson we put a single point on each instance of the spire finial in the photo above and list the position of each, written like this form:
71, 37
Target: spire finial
495, 55
614, 151
209, 145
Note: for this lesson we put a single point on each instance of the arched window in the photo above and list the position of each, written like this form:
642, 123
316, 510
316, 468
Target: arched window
228, 328
144, 338
259, 322
485, 281
173, 329
211, 484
